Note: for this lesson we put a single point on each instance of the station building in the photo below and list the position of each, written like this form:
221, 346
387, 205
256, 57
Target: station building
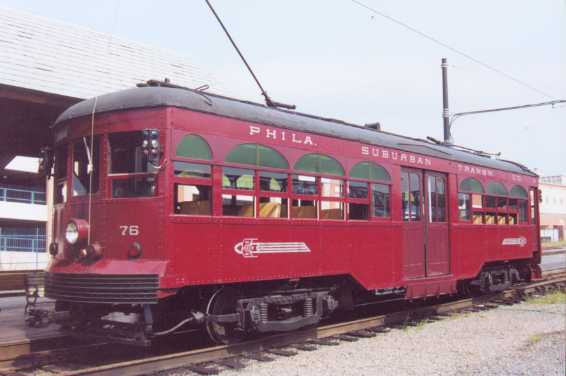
45, 67
553, 208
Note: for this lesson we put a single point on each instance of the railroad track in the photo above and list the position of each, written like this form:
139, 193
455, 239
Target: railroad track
212, 360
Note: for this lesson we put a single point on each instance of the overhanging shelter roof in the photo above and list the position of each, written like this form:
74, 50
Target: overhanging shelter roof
54, 57
47, 65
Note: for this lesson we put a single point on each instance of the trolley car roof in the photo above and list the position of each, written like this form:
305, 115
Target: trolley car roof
159, 96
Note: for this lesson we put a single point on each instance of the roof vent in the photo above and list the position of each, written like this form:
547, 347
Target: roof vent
373, 126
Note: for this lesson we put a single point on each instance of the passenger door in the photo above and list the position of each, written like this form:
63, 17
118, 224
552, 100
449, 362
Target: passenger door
414, 251
437, 241
426, 250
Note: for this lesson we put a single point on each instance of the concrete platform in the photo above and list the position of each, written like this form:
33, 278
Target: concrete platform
16, 338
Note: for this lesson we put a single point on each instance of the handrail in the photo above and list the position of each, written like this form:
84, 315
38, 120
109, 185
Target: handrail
25, 243
22, 195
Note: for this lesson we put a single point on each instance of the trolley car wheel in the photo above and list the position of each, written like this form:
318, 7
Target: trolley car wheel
223, 301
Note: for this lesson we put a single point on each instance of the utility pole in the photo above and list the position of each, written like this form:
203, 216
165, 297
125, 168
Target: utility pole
445, 111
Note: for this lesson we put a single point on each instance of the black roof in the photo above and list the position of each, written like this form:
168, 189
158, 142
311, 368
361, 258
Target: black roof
159, 96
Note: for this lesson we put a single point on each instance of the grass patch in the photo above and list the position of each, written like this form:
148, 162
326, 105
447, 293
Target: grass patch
534, 339
557, 297
554, 245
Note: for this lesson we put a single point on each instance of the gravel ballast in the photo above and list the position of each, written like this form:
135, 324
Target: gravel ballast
522, 339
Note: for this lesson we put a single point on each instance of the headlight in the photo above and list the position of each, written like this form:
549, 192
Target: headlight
76, 231
72, 233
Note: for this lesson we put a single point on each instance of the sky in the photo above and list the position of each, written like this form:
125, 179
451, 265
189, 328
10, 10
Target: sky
337, 59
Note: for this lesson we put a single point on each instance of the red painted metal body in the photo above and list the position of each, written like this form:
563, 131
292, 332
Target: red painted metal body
426, 258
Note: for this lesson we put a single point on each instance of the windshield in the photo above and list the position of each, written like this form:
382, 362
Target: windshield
81, 173
60, 174
127, 157
126, 153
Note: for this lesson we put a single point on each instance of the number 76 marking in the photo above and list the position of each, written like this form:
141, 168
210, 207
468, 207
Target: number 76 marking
130, 230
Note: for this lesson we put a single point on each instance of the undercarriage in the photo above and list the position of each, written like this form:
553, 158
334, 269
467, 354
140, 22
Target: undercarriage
228, 316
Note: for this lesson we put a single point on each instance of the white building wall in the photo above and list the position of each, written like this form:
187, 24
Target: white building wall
23, 212
553, 199
11, 260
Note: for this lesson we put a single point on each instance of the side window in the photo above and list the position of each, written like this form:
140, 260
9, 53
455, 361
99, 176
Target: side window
477, 209
238, 188
496, 206
518, 205
380, 200
512, 210
464, 206
501, 210
85, 162
193, 188
358, 196
273, 199
331, 204
238, 178
252, 193
436, 188
371, 197
470, 201
303, 206
193, 199
411, 196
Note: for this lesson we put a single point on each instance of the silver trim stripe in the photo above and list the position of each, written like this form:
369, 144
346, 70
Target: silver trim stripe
250, 248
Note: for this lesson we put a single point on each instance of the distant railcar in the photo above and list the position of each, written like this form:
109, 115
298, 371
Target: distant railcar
176, 207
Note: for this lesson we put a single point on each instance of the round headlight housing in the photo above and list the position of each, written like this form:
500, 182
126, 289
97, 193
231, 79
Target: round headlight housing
72, 233
76, 231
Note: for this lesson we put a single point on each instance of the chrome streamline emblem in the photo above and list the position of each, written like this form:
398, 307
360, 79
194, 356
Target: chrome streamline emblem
250, 248
520, 241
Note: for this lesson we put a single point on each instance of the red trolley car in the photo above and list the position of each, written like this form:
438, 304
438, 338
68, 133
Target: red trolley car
177, 207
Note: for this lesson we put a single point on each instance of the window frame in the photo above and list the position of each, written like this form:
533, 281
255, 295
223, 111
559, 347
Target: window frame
369, 199
191, 180
432, 217
97, 165
269, 194
507, 211
409, 172
112, 176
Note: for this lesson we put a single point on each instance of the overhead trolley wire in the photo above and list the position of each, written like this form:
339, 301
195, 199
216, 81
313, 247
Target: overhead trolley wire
453, 49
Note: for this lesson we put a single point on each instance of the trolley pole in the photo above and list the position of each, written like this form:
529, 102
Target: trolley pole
445, 113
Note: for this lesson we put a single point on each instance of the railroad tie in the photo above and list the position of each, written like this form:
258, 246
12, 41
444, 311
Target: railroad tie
204, 369
259, 357
347, 338
324, 342
363, 334
281, 351
305, 347
233, 363
380, 329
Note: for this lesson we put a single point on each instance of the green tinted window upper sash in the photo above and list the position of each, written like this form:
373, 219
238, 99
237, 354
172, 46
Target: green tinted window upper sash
193, 146
519, 192
257, 155
320, 164
496, 188
369, 171
471, 185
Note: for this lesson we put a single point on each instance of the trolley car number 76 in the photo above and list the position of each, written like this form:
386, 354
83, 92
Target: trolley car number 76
130, 230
